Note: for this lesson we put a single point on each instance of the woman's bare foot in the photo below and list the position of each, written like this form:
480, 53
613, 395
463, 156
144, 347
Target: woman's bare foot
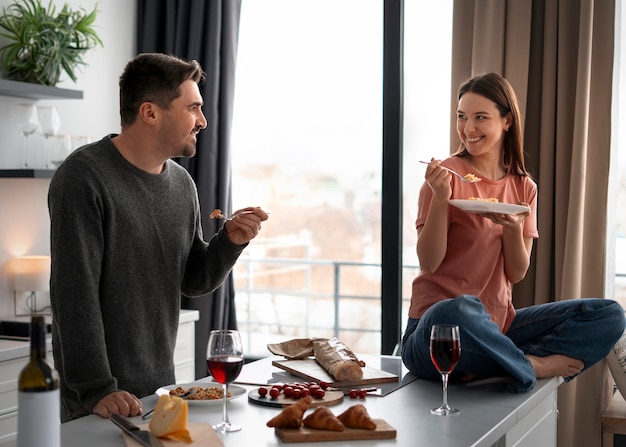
555, 365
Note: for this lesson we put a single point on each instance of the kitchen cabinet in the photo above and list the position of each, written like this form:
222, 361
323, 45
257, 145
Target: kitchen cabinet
9, 372
185, 350
14, 355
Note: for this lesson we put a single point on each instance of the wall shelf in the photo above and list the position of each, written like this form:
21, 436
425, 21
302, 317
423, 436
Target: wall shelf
26, 173
27, 90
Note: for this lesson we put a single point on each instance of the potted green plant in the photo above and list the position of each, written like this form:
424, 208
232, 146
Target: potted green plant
43, 44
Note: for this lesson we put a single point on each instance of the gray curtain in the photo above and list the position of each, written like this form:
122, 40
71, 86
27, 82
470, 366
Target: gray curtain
207, 31
558, 55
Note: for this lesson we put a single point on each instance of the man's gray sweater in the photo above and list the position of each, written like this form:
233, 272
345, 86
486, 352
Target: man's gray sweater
124, 245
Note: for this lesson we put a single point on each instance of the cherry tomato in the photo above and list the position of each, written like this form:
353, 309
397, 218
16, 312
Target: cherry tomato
353, 394
362, 393
296, 393
262, 391
319, 393
305, 392
324, 385
274, 392
288, 391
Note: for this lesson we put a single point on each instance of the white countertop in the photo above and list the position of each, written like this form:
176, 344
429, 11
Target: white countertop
12, 349
487, 413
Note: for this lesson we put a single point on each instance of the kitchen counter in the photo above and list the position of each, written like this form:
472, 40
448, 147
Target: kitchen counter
13, 349
14, 355
489, 415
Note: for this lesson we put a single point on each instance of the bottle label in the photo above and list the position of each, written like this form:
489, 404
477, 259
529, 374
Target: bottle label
39, 419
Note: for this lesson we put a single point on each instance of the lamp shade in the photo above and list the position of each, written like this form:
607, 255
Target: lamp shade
31, 273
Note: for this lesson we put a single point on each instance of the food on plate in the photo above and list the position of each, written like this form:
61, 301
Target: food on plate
211, 393
472, 178
491, 199
357, 417
338, 360
170, 419
294, 390
216, 214
323, 419
291, 416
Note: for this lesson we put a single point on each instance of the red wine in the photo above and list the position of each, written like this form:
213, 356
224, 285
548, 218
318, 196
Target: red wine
224, 368
445, 353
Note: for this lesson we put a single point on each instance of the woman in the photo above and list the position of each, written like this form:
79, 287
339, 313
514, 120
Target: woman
470, 261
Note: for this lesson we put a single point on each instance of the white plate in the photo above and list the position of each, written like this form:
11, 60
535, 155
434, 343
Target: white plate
480, 206
235, 390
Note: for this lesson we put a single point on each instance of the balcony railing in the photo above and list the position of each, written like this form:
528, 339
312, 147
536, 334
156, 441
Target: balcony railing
282, 298
279, 299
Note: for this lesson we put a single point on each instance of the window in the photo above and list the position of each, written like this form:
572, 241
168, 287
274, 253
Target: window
427, 83
619, 159
307, 145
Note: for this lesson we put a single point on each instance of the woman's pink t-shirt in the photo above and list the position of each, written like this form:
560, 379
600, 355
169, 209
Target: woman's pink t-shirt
474, 260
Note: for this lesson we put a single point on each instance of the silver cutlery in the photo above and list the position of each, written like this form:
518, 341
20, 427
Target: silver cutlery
463, 179
187, 393
231, 217
144, 437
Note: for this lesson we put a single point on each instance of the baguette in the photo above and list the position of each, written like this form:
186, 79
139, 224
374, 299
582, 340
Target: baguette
338, 360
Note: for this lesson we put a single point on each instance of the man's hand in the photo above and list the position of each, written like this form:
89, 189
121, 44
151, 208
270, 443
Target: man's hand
244, 227
120, 402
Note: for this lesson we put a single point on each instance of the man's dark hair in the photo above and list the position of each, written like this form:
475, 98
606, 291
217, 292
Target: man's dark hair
156, 78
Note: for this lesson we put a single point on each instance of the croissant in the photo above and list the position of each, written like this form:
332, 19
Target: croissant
323, 419
291, 416
357, 417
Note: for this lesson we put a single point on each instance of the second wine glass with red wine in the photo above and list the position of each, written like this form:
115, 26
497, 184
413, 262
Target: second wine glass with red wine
445, 351
224, 362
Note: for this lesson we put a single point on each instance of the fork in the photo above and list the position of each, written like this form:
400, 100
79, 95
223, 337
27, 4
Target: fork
239, 214
232, 216
463, 179
187, 393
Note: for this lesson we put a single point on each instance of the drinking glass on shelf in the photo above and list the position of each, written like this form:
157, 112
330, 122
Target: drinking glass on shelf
50, 123
224, 363
49, 120
445, 351
61, 148
27, 124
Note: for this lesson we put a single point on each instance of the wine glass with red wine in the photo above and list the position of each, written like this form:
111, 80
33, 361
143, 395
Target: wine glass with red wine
224, 362
445, 351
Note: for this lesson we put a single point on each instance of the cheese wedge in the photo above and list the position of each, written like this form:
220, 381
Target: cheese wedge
170, 419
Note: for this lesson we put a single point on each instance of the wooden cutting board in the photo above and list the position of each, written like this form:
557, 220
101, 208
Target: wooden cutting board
202, 435
306, 434
330, 398
311, 370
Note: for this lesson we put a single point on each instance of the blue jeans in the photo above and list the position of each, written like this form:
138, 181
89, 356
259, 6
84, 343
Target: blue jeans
585, 329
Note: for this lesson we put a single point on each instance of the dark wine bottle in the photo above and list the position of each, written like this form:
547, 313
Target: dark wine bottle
38, 395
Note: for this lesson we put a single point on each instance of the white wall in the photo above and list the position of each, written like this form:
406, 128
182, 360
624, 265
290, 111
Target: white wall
24, 221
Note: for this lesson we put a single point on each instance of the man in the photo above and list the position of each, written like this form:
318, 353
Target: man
126, 241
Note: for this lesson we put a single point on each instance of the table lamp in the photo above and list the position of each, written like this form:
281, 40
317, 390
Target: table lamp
31, 275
